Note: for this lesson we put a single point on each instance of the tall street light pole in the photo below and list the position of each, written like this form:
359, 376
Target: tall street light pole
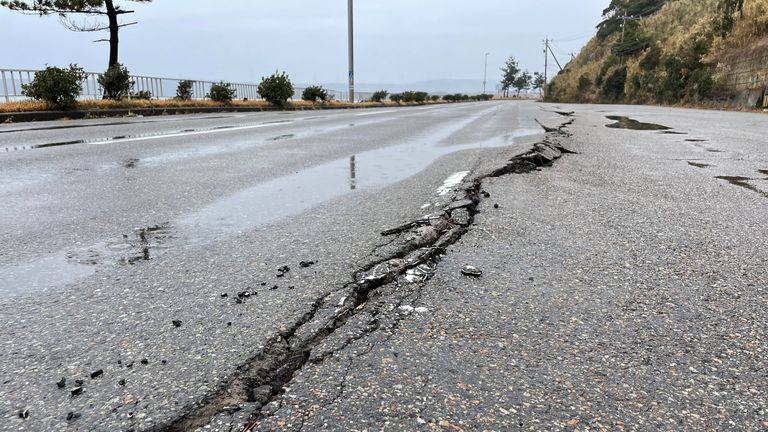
351, 51
485, 73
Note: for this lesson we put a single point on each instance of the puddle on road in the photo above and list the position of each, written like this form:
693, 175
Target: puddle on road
60, 269
628, 123
699, 165
293, 194
41, 274
743, 182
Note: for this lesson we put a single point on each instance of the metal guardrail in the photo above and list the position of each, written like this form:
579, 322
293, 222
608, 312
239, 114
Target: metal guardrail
160, 88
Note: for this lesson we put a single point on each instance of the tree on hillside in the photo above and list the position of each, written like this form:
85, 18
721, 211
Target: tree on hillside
538, 81
522, 82
509, 74
614, 16
65, 9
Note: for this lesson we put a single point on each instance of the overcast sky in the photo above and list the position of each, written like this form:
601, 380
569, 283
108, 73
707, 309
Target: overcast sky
397, 41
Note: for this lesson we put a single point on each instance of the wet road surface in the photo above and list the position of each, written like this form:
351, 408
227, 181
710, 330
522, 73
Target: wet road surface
624, 288
139, 258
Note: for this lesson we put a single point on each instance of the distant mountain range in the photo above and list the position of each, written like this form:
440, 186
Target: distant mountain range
433, 87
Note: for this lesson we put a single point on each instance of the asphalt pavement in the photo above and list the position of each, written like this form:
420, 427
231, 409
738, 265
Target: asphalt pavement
623, 288
293, 272
145, 263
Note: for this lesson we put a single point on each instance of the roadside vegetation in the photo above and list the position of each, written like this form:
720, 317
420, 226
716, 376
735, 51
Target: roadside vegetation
669, 52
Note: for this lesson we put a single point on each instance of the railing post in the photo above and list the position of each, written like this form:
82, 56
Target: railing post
5, 87
13, 84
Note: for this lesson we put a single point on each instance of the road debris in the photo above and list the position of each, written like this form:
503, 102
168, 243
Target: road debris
471, 271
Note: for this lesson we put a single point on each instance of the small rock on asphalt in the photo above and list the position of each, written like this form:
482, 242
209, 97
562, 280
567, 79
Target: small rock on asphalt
471, 271
62, 383
97, 374
176, 323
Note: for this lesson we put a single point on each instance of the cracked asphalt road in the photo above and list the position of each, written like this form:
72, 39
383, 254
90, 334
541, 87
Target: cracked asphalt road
623, 289
140, 264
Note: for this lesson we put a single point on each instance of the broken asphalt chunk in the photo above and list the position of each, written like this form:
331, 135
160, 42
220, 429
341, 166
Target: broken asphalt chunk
76, 391
62, 383
459, 204
144, 361
72, 416
305, 264
23, 414
471, 271
97, 374
282, 271
176, 323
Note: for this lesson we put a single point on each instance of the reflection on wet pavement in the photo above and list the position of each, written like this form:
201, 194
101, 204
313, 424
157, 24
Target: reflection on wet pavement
295, 193
63, 268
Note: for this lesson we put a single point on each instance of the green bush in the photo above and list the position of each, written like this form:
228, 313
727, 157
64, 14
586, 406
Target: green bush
184, 90
434, 98
379, 96
314, 94
449, 98
116, 82
412, 96
56, 87
396, 97
222, 92
276, 89
142, 95
613, 87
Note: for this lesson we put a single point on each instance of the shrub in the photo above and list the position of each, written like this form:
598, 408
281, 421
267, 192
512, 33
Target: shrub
449, 98
184, 90
142, 95
56, 87
276, 89
222, 92
116, 82
412, 96
379, 96
613, 87
434, 98
314, 94
396, 97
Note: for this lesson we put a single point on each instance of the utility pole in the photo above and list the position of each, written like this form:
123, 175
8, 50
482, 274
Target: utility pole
546, 63
485, 73
350, 18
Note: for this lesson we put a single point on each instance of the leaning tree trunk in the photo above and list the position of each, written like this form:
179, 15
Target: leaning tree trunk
114, 28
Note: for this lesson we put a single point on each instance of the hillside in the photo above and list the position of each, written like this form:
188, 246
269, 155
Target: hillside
672, 51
